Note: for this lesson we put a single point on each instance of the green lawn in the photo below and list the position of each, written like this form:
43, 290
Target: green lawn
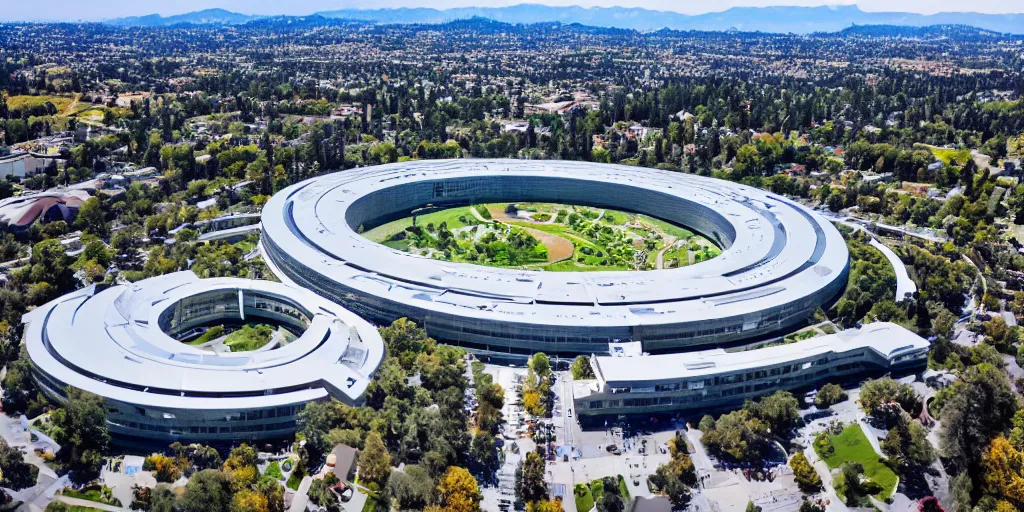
249, 337
623, 488
950, 156
274, 470
294, 480
28, 102
211, 334
453, 216
853, 446
93, 493
246, 246
666, 227
584, 499
612, 247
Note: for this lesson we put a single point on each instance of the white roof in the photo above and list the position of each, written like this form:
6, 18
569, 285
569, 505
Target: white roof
886, 339
781, 252
109, 342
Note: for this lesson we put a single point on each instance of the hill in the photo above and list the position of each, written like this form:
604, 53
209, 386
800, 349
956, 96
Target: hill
204, 17
800, 20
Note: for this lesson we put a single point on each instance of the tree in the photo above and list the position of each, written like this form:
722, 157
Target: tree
981, 405
80, 428
780, 411
241, 467
484, 450
829, 395
15, 473
458, 491
249, 500
541, 364
554, 505
611, 496
706, 423
163, 467
806, 477
738, 435
91, 218
675, 478
405, 339
808, 506
50, 265
877, 397
374, 460
207, 491
274, 492
531, 486
852, 487
313, 422
668, 483
413, 487
320, 494
581, 368
1004, 471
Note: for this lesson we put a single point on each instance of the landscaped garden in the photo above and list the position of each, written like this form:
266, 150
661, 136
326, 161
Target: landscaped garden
545, 236
851, 446
251, 336
588, 495
96, 493
274, 470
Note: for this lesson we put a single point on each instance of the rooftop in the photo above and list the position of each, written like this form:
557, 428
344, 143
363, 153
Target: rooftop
111, 342
775, 251
886, 339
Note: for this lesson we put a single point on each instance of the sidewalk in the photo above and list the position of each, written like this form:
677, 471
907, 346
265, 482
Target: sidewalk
88, 504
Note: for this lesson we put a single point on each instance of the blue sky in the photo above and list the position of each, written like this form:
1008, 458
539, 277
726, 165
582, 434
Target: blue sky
105, 9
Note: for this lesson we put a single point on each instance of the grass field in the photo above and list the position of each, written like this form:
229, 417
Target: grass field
949, 156
67, 107
853, 446
211, 334
455, 217
598, 240
249, 337
294, 480
93, 493
584, 499
29, 102
274, 470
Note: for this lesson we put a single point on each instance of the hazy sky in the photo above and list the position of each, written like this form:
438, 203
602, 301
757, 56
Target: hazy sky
104, 9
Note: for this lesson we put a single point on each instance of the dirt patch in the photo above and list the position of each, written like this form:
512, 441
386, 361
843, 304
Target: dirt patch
558, 248
498, 214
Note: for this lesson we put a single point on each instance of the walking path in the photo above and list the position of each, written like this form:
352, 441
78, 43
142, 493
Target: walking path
88, 504
670, 242
302, 495
904, 284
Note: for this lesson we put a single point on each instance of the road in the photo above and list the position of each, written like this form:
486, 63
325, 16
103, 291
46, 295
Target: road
905, 286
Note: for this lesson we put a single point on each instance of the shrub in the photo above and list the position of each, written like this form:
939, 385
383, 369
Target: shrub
823, 445
806, 477
829, 395
706, 423
163, 467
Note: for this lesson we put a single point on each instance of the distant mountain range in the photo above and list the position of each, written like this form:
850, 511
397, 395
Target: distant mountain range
799, 20
204, 17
